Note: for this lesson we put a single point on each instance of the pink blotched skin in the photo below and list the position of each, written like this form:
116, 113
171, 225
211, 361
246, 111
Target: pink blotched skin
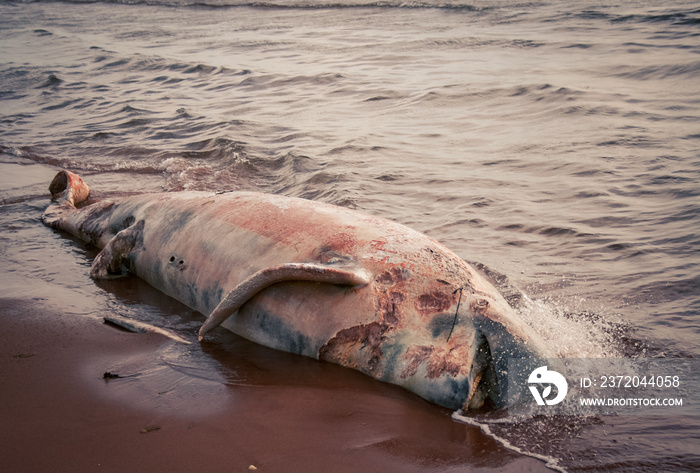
313, 279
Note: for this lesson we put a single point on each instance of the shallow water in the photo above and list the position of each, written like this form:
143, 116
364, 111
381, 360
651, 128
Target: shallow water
555, 143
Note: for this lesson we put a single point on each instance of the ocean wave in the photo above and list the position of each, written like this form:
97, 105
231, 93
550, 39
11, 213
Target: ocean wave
297, 4
690, 70
680, 17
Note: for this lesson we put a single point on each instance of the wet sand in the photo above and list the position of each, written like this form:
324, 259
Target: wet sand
218, 407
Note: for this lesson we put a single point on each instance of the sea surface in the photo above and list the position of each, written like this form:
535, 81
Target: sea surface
556, 143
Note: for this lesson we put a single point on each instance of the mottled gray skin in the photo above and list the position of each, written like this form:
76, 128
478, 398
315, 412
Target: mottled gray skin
313, 279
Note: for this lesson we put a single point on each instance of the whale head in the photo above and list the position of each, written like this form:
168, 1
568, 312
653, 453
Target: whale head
460, 359
501, 334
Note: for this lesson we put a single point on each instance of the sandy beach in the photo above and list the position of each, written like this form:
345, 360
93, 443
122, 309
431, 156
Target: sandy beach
60, 413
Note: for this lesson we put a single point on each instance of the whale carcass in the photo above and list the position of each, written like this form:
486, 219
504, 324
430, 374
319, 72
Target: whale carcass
313, 279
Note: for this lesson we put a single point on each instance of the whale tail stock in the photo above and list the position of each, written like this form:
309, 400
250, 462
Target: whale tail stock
67, 190
69, 187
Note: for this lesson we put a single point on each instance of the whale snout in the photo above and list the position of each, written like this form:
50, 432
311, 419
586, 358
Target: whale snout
501, 336
484, 389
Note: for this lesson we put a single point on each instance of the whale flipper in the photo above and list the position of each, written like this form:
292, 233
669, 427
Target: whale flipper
108, 263
281, 273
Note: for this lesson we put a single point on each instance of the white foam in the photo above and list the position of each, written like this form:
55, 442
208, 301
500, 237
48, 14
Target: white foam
570, 336
550, 462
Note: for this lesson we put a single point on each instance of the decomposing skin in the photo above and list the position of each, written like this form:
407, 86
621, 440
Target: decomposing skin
313, 279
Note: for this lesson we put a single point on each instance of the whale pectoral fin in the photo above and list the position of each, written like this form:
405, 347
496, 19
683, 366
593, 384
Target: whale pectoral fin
242, 293
108, 263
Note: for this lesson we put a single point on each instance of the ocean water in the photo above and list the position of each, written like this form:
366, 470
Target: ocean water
556, 143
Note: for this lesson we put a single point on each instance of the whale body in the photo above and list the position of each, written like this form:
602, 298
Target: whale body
312, 279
